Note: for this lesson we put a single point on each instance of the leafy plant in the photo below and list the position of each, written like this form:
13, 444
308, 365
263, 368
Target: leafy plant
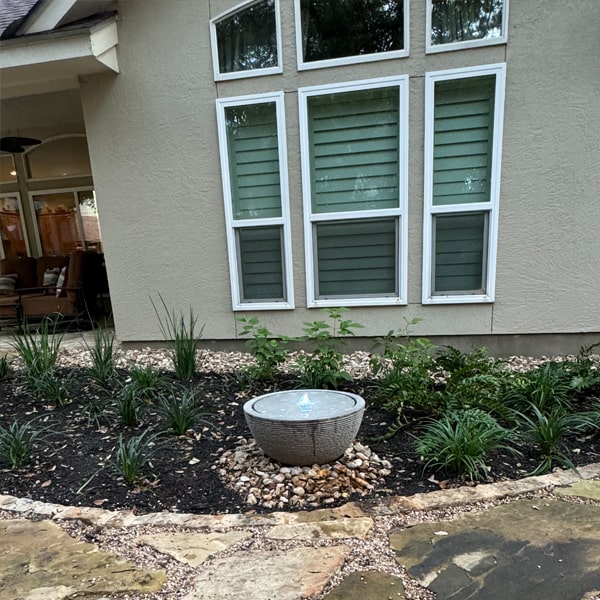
133, 454
103, 367
128, 406
49, 386
459, 442
147, 381
324, 366
181, 411
17, 442
548, 431
394, 339
266, 349
182, 336
4, 368
39, 350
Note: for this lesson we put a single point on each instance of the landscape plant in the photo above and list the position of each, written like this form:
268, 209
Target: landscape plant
128, 406
181, 411
39, 349
17, 442
459, 441
266, 348
49, 386
323, 367
182, 336
133, 454
147, 381
103, 368
4, 367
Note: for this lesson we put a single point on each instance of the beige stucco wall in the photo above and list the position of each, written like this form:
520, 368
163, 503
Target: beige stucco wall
153, 144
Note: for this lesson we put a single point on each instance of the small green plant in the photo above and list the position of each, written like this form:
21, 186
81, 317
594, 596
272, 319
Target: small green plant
547, 431
133, 454
182, 336
324, 366
266, 349
103, 367
39, 350
4, 368
17, 442
459, 442
48, 386
181, 411
395, 338
147, 381
128, 405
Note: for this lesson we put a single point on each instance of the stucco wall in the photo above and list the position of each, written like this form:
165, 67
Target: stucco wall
153, 144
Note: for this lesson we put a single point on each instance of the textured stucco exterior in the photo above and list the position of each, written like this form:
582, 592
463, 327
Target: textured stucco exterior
152, 137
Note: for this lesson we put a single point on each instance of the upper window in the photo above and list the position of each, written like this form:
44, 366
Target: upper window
246, 41
65, 156
354, 152
458, 24
252, 143
330, 32
8, 173
463, 141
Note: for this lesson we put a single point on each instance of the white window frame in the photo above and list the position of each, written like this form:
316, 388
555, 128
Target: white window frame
431, 48
491, 207
215, 48
23, 228
400, 213
348, 60
232, 224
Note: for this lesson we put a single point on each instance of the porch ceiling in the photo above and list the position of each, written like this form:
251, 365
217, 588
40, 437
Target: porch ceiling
53, 61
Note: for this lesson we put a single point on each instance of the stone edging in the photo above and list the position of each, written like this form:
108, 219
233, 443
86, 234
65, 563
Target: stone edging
376, 507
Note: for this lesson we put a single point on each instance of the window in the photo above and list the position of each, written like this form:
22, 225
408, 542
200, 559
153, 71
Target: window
247, 40
354, 164
65, 156
463, 141
458, 24
330, 32
253, 159
13, 242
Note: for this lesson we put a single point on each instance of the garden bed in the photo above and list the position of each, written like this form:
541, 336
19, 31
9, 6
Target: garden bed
73, 462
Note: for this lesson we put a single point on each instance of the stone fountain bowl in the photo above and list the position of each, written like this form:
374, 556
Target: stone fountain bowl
304, 427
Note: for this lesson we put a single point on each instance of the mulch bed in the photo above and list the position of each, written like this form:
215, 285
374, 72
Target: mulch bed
181, 475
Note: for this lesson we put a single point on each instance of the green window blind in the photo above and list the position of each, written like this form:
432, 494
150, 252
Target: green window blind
261, 263
357, 258
460, 252
463, 131
253, 160
353, 138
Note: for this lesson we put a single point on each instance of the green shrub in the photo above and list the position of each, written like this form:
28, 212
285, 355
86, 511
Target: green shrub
103, 367
147, 381
17, 442
182, 336
181, 411
459, 442
39, 350
266, 349
48, 386
323, 368
133, 454
128, 405
4, 368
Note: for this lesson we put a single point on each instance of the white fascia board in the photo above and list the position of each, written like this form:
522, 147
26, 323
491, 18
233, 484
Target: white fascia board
48, 16
87, 44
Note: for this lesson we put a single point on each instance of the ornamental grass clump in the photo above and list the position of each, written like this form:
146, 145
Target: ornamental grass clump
128, 406
103, 367
182, 336
459, 442
17, 442
147, 381
181, 411
133, 455
4, 367
39, 350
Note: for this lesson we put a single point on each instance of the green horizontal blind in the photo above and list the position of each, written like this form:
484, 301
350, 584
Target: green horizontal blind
261, 263
460, 252
353, 139
463, 132
357, 258
253, 160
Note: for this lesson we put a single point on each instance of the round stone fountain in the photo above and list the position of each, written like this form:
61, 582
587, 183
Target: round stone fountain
304, 427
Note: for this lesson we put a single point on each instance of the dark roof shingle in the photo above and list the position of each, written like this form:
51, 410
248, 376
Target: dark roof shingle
13, 10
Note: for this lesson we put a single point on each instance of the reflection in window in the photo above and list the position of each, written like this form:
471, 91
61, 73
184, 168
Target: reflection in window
62, 157
247, 40
7, 168
90, 225
11, 228
466, 20
332, 29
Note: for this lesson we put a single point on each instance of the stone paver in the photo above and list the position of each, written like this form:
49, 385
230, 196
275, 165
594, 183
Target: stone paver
193, 548
269, 575
588, 490
39, 560
534, 549
344, 528
368, 585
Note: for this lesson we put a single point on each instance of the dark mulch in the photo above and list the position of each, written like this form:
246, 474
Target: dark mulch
180, 476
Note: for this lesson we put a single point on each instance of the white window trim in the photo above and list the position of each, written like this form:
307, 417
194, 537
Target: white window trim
401, 212
215, 49
431, 48
499, 71
348, 60
23, 228
71, 190
232, 224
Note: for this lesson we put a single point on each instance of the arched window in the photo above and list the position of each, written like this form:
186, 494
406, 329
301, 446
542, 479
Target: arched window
246, 41
65, 156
